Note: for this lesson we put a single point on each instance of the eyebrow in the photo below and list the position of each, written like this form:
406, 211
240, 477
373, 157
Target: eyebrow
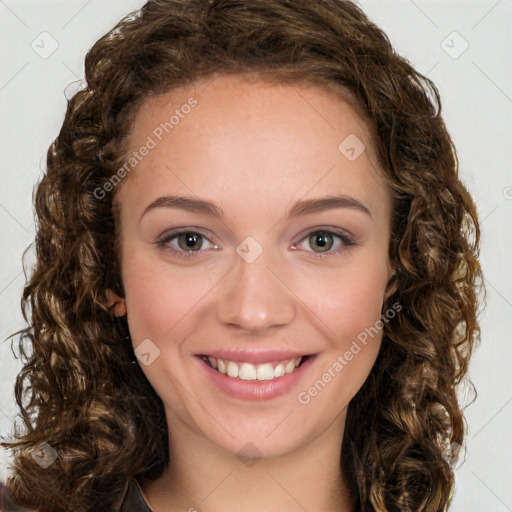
301, 207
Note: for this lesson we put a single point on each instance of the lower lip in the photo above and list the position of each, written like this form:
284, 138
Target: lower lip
255, 389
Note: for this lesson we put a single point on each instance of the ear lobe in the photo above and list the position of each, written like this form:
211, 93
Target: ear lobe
116, 305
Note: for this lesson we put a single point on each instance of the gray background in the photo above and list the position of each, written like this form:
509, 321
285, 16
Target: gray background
476, 89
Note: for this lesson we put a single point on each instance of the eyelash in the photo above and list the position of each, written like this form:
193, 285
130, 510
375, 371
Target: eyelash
162, 243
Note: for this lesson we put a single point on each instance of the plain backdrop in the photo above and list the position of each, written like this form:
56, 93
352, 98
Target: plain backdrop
463, 46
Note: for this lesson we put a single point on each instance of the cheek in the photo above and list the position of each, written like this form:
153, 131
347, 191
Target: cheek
347, 300
160, 301
346, 307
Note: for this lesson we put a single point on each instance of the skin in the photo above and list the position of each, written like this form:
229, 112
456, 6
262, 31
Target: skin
254, 149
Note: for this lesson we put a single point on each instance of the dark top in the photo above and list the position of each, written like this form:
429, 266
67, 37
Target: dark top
133, 500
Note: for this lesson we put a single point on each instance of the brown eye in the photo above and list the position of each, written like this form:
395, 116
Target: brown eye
326, 243
190, 241
321, 239
185, 243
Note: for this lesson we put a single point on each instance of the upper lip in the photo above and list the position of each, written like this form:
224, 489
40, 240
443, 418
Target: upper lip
254, 356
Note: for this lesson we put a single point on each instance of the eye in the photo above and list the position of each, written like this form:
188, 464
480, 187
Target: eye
189, 243
322, 241
185, 243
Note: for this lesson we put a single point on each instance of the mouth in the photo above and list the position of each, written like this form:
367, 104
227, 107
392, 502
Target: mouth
247, 371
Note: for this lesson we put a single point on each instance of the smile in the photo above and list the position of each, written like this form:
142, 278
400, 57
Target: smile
250, 371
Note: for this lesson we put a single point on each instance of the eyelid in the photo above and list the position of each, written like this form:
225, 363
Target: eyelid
169, 233
328, 229
163, 240
347, 241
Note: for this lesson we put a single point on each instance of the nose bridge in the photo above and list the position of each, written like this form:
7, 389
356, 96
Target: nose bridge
253, 298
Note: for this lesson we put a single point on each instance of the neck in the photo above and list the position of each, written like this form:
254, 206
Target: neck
202, 476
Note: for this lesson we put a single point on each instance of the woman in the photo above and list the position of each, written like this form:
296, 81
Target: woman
256, 276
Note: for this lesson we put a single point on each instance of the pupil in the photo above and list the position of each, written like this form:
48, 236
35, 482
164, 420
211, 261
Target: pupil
325, 240
322, 239
191, 241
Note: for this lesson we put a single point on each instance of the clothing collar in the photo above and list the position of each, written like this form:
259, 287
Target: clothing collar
134, 500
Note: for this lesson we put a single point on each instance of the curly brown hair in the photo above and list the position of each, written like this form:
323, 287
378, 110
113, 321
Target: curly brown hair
82, 391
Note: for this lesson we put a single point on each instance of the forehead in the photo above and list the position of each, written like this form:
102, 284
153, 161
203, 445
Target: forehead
232, 100
289, 136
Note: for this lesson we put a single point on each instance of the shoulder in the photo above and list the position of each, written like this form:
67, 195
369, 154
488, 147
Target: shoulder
133, 500
9, 503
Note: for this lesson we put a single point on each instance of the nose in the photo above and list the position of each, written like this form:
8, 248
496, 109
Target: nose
255, 297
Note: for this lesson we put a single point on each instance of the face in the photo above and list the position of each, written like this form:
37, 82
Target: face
254, 239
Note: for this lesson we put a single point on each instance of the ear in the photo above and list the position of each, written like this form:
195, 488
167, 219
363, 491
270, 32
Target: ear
391, 267
115, 304
391, 272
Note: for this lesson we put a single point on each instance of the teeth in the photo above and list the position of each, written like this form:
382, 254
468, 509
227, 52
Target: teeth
249, 371
265, 372
290, 366
279, 370
232, 369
